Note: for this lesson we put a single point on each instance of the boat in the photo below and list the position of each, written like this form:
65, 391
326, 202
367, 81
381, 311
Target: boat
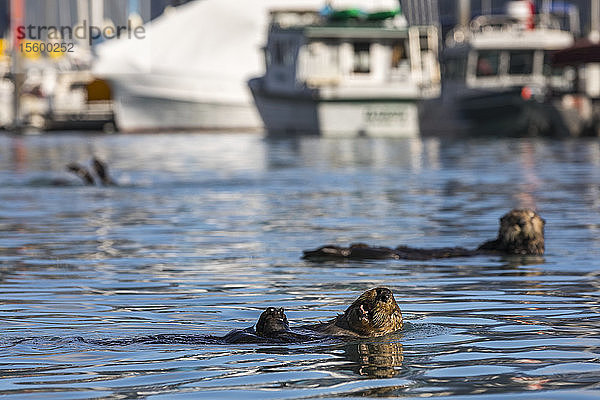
193, 78
584, 58
6, 87
498, 78
345, 73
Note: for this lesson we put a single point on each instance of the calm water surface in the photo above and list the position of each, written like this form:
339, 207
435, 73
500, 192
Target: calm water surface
206, 231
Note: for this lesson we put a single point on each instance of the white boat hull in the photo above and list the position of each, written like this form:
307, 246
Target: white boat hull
6, 103
288, 115
145, 113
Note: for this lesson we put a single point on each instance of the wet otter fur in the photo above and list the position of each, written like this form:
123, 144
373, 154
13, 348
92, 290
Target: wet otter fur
272, 327
272, 322
521, 233
374, 313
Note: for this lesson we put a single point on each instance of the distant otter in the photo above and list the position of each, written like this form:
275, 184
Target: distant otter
375, 313
100, 168
521, 232
82, 173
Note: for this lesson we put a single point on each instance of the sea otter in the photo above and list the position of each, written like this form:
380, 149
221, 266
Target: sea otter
375, 313
100, 168
521, 232
82, 173
272, 326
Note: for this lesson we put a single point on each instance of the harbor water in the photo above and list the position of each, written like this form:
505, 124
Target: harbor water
206, 231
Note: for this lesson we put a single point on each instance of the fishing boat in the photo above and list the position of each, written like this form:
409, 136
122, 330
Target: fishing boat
498, 77
346, 72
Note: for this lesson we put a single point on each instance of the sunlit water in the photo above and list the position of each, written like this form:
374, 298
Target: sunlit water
206, 231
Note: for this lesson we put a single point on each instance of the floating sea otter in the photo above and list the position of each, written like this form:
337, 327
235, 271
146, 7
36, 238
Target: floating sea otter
374, 313
521, 232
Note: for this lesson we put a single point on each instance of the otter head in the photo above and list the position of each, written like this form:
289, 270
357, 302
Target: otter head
374, 313
522, 232
272, 322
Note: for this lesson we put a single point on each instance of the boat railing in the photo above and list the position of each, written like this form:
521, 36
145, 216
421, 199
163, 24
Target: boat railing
486, 23
500, 23
286, 18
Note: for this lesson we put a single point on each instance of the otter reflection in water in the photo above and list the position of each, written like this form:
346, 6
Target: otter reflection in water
521, 232
375, 313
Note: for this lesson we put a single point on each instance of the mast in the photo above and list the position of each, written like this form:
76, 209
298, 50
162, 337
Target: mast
97, 14
17, 18
83, 17
463, 12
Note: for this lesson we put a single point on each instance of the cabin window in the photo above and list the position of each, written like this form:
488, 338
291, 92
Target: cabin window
424, 43
362, 62
487, 63
399, 54
521, 62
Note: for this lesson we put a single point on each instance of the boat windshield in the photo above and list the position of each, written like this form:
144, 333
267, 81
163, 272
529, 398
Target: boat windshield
488, 62
521, 62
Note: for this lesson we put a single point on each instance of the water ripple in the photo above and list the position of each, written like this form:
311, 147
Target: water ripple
207, 230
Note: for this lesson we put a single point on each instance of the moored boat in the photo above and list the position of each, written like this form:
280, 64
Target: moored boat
346, 73
498, 78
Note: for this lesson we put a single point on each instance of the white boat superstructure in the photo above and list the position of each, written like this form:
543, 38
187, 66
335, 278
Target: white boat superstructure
498, 77
346, 73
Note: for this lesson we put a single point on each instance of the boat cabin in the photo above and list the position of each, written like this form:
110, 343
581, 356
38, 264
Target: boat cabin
351, 56
499, 52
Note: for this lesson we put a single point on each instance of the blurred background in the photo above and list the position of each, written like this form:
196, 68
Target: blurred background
332, 68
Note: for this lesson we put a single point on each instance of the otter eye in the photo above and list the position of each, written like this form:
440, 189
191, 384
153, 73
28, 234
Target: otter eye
385, 296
